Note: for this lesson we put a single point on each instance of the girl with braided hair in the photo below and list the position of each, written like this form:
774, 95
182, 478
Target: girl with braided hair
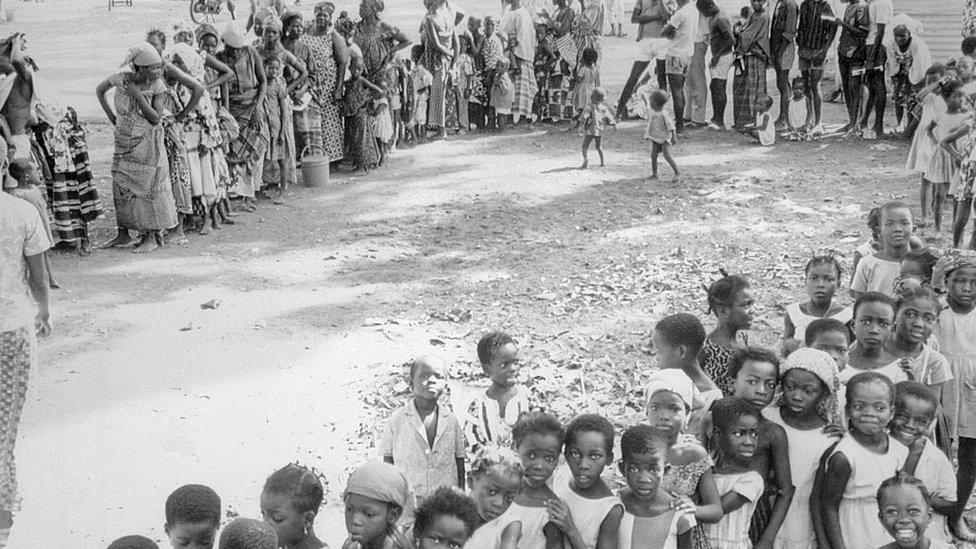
730, 300
290, 502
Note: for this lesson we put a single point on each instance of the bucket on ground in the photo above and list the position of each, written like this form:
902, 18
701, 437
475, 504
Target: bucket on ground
315, 167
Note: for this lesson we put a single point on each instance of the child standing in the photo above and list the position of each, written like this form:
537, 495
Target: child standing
585, 80
491, 414
360, 141
382, 119
874, 317
916, 408
904, 507
422, 81
677, 342
807, 405
946, 129
502, 96
538, 439
495, 479
192, 516
956, 331
376, 495
424, 438
797, 111
670, 394
763, 128
660, 130
832, 337
736, 428
445, 519
290, 502
650, 518
594, 119
730, 300
28, 189
915, 317
863, 458
822, 277
590, 509
877, 273
923, 143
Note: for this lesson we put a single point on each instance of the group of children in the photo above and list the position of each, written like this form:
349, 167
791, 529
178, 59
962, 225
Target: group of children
844, 437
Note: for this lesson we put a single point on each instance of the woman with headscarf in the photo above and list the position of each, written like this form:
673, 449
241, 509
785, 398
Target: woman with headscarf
321, 127
140, 168
201, 132
378, 41
588, 27
246, 93
440, 43
279, 166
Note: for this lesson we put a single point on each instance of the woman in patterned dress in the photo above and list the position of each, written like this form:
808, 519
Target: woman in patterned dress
378, 41
588, 27
140, 169
440, 50
321, 127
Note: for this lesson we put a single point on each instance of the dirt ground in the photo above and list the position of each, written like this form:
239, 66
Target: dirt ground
140, 390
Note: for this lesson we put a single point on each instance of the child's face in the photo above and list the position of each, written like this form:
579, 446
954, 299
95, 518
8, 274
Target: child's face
798, 90
667, 412
822, 283
209, 44
834, 344
644, 472
756, 382
444, 531
802, 391
956, 101
758, 6
961, 287
539, 453
667, 355
869, 407
495, 490
739, 315
596, 97
192, 535
916, 319
356, 67
428, 379
911, 420
278, 511
896, 227
904, 514
872, 323
368, 519
901, 37
503, 370
910, 267
587, 456
740, 441
932, 79
274, 69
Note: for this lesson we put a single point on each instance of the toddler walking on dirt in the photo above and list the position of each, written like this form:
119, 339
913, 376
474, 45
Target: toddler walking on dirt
594, 120
660, 130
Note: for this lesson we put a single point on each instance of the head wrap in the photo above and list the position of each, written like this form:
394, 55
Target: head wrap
273, 22
673, 381
952, 260
192, 60
206, 29
142, 55
288, 16
380, 481
233, 35
262, 15
328, 7
375, 5
245, 533
824, 367
133, 542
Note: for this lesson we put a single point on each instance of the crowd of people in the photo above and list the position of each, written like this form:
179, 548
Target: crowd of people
845, 436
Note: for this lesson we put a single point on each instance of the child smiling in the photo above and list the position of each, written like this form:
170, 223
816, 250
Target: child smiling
905, 512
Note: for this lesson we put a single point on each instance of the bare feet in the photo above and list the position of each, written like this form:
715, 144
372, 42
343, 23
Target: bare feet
121, 239
205, 229
151, 241
177, 236
585, 164
963, 532
676, 178
84, 247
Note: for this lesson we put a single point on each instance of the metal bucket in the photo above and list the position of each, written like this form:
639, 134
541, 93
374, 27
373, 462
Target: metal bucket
315, 167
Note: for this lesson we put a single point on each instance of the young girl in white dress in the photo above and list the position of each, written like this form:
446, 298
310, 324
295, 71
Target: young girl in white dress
865, 456
736, 428
807, 405
923, 144
822, 277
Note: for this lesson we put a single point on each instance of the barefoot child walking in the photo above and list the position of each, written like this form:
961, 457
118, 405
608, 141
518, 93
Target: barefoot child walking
594, 119
661, 131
